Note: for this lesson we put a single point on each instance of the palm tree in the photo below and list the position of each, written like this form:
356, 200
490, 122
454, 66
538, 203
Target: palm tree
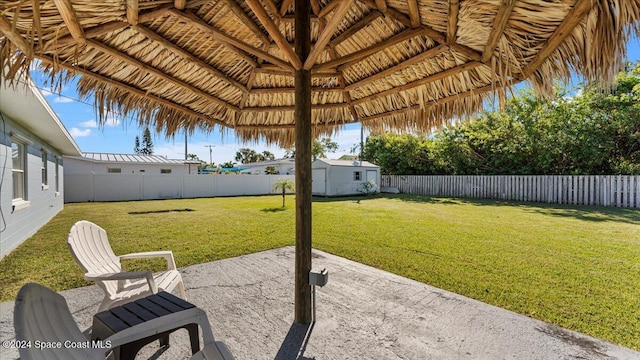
284, 185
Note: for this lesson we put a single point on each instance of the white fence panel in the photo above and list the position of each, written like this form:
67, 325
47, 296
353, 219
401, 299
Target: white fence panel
598, 190
124, 187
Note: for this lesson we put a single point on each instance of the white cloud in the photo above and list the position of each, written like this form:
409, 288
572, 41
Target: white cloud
89, 124
75, 132
61, 99
111, 120
220, 153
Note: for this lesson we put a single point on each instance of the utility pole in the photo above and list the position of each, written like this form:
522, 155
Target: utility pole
185, 145
210, 152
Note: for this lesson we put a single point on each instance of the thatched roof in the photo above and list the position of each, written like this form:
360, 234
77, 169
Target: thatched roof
403, 65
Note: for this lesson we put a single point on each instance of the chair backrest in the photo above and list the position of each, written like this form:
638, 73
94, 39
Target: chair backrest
42, 315
90, 247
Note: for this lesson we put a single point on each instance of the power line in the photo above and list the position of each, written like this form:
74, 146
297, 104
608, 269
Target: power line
210, 152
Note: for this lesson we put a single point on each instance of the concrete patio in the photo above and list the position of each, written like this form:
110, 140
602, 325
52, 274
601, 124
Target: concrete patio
363, 313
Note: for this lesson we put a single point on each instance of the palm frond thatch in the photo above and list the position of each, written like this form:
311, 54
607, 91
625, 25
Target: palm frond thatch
392, 65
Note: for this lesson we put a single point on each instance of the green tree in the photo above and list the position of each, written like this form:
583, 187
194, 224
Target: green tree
400, 154
283, 185
246, 155
228, 164
267, 155
136, 145
147, 143
319, 149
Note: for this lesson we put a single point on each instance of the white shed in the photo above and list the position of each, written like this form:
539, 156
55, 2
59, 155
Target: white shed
343, 177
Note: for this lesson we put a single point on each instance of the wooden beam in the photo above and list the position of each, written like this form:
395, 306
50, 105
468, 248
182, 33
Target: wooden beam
303, 139
429, 79
573, 18
327, 32
361, 54
414, 13
180, 4
497, 29
157, 73
452, 23
13, 36
275, 33
272, 70
248, 22
291, 18
382, 5
292, 107
132, 11
70, 20
281, 90
401, 66
327, 9
150, 34
467, 51
154, 14
356, 27
224, 38
273, 9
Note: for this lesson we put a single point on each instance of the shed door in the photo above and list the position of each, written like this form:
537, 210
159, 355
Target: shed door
319, 181
372, 175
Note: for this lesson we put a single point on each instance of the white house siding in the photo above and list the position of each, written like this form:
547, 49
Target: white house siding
16, 226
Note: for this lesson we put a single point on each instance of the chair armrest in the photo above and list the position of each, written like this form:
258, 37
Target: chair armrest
127, 275
159, 325
168, 255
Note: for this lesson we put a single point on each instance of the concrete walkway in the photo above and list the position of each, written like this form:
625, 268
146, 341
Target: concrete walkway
363, 313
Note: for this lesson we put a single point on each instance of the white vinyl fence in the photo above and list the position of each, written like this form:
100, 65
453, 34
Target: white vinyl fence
124, 187
599, 190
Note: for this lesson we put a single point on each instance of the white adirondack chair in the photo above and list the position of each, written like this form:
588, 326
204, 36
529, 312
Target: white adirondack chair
90, 247
42, 315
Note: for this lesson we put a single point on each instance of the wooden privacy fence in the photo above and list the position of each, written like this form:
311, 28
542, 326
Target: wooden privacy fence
598, 190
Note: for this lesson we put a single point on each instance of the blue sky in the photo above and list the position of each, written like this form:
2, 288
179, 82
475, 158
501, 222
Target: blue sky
118, 134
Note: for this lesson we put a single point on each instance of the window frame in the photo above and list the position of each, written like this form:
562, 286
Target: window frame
357, 175
19, 200
56, 175
44, 169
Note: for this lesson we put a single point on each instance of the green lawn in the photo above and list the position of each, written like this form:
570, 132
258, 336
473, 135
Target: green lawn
576, 267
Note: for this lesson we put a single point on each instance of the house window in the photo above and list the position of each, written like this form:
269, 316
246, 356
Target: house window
165, 171
57, 173
45, 173
114, 170
357, 175
18, 155
142, 170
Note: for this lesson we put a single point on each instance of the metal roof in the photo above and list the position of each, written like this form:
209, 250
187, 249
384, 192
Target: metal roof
131, 158
347, 163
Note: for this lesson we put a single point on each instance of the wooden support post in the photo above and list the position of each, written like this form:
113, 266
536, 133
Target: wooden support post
303, 165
